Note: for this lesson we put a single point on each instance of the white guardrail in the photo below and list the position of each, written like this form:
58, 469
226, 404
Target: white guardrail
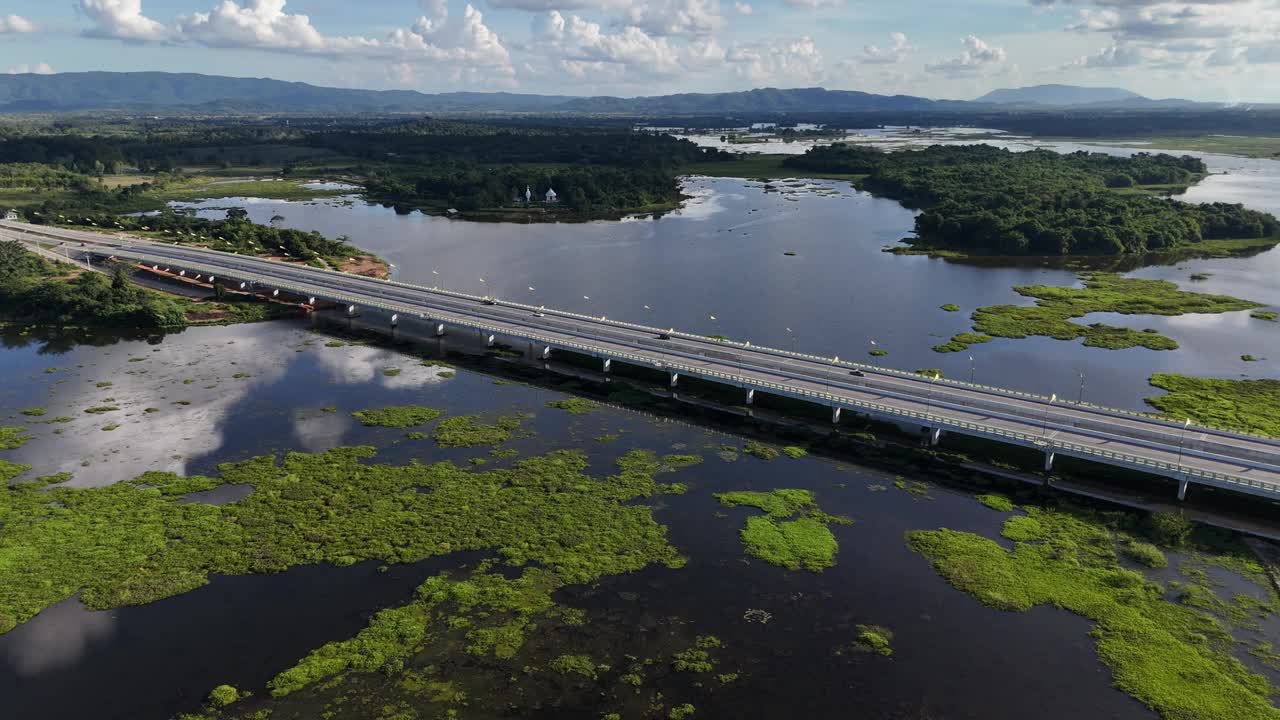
928, 419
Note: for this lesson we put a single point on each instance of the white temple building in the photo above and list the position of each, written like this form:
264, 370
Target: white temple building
551, 195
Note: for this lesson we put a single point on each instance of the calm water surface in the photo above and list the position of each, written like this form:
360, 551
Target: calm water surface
718, 267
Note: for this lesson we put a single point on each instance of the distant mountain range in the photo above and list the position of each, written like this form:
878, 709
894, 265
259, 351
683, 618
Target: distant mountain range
158, 92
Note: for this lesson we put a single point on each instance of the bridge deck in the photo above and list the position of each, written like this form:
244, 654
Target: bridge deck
1231, 460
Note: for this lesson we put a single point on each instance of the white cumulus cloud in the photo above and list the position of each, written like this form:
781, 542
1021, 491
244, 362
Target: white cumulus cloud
786, 62
37, 69
15, 24
895, 53
977, 57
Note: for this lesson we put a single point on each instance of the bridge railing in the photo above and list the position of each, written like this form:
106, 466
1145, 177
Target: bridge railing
928, 419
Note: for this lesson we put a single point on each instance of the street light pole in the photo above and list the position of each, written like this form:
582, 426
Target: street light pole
1181, 440
1044, 428
972, 369
1080, 399
928, 407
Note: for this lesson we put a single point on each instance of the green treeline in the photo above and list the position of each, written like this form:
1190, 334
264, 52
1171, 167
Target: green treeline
33, 290
984, 199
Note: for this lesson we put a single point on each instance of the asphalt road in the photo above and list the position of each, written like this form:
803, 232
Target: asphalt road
1071, 428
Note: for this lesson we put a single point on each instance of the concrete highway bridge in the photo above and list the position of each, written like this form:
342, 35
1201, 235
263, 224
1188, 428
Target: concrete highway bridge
1185, 454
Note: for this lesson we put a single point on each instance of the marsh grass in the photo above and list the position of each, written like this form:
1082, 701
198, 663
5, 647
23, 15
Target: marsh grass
996, 501
1175, 658
573, 406
1240, 405
13, 437
874, 639
467, 431
1057, 306
397, 416
761, 450
805, 542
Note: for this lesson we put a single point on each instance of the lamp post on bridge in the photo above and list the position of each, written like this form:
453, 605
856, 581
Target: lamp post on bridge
1182, 439
972, 369
1044, 427
1080, 398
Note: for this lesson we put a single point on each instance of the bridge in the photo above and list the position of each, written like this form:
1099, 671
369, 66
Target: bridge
1184, 453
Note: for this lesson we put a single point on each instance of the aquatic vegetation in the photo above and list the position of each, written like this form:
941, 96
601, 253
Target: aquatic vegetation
726, 678
13, 437
1174, 658
1146, 553
1102, 292
756, 615
447, 374
793, 544
223, 695
760, 450
467, 431
575, 665
916, 488
9, 471
962, 341
951, 307
335, 344
130, 543
1249, 358
878, 352
397, 416
1241, 405
996, 501
34, 412
573, 406
676, 462
779, 504
109, 428
99, 409
103, 384
1265, 315
794, 452
241, 376
874, 639
415, 435
681, 712
697, 659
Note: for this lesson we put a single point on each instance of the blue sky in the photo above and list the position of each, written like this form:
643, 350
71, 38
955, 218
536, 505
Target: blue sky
1210, 50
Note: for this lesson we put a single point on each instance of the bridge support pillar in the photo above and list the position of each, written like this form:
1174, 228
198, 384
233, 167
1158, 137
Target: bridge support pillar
835, 415
751, 396
546, 352
606, 365
1182, 488
489, 341
675, 377
1049, 456
935, 436
439, 329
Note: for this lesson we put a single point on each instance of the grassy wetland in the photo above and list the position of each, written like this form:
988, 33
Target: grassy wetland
668, 572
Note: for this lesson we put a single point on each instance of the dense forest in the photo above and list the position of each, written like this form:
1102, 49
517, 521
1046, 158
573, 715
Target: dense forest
33, 290
422, 163
984, 199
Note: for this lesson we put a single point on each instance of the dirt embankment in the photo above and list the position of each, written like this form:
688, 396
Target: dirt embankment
366, 265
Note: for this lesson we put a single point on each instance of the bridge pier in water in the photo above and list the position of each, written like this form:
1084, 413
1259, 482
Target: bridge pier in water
835, 415
751, 396
1182, 488
674, 378
935, 435
1049, 456
606, 365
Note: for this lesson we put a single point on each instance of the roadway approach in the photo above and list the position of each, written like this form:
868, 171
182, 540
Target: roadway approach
1186, 454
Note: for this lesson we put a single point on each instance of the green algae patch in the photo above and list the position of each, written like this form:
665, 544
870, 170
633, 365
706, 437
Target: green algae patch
581, 665
9, 471
467, 431
677, 462
951, 307
1174, 658
34, 412
573, 406
961, 341
13, 437
1265, 315
132, 543
223, 695
397, 416
795, 452
1146, 554
1241, 405
793, 544
805, 542
996, 501
1057, 306
878, 353
874, 639
779, 504
682, 712
698, 658
761, 450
